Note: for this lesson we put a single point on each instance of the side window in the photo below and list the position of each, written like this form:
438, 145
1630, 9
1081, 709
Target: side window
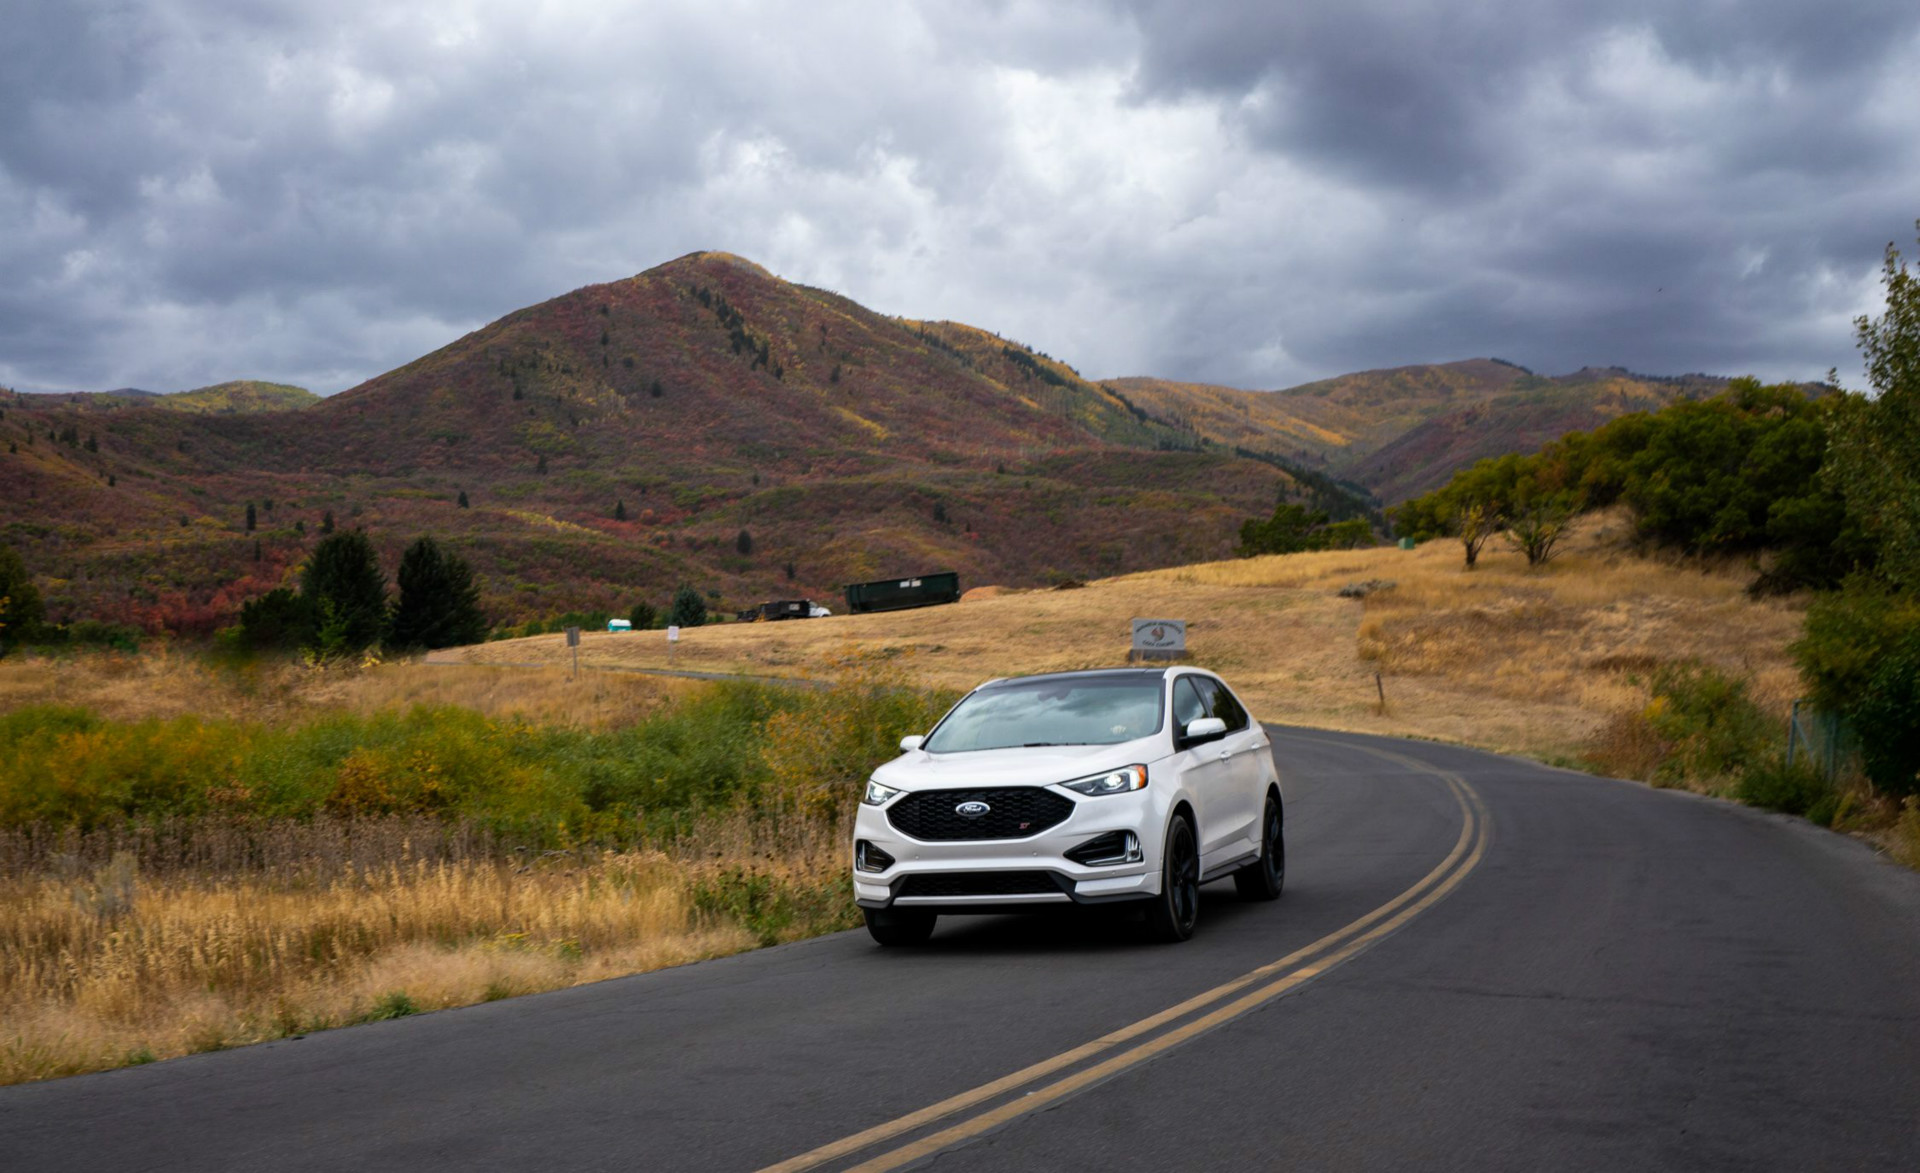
1187, 705
1220, 703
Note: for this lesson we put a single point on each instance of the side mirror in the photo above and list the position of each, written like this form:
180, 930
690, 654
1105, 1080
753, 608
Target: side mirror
911, 743
1206, 729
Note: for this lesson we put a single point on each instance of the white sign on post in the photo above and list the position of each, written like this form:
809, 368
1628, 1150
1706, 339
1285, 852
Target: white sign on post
673, 635
1159, 639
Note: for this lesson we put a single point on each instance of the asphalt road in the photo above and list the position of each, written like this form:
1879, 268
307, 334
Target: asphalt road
1532, 970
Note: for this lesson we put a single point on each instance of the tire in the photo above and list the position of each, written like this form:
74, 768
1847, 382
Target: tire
900, 926
1172, 914
1263, 878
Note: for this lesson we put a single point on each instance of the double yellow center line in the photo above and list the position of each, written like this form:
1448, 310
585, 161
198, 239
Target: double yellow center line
1280, 977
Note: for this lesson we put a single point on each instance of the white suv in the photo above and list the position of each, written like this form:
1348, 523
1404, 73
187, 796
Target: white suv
1078, 787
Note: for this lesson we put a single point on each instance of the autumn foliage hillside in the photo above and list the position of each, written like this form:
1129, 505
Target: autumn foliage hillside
1402, 431
609, 445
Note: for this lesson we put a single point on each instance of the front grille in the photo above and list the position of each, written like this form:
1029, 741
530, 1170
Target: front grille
1015, 812
979, 884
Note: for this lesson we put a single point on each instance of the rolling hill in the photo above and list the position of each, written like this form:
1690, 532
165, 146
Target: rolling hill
1397, 433
619, 441
706, 423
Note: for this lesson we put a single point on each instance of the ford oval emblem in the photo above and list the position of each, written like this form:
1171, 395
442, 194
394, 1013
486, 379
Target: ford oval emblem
971, 810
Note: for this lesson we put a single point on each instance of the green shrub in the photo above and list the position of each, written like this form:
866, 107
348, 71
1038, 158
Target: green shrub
1799, 789
1706, 716
1860, 657
728, 745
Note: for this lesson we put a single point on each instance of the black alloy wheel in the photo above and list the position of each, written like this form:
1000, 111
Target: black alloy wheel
1177, 908
1263, 878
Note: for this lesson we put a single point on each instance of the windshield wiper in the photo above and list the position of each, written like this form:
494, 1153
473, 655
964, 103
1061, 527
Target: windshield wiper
1041, 744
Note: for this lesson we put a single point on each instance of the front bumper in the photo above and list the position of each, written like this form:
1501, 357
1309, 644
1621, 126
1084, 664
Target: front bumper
1042, 855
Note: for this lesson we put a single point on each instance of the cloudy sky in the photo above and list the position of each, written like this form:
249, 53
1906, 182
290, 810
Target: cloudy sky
1242, 192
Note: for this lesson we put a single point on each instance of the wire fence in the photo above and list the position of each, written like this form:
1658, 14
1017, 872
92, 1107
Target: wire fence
1821, 740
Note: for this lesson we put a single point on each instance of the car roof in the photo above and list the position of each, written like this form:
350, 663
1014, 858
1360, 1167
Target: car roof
1082, 674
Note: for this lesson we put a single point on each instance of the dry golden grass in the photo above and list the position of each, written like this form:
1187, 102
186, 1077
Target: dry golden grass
1506, 657
163, 683
101, 965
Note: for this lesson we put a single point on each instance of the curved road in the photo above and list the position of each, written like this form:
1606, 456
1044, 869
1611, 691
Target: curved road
1479, 963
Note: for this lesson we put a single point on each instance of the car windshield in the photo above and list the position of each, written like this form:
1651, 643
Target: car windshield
1084, 710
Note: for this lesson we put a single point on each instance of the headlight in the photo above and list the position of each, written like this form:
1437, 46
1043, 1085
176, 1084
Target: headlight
1112, 782
877, 794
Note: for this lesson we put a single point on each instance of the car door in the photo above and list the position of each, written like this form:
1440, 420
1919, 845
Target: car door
1206, 768
1237, 813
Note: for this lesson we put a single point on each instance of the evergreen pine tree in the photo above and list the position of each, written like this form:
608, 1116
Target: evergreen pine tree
744, 543
463, 499
688, 610
619, 510
347, 593
250, 517
439, 603
326, 522
20, 605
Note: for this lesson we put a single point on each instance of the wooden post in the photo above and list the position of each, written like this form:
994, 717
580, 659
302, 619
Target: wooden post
1382, 690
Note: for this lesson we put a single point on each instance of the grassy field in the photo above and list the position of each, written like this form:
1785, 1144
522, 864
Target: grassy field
104, 963
195, 856
1511, 659
312, 847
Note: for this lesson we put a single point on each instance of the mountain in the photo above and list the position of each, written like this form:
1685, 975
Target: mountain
1399, 432
702, 423
705, 423
240, 395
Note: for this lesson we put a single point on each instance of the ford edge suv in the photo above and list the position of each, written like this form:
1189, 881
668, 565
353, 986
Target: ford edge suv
1098, 787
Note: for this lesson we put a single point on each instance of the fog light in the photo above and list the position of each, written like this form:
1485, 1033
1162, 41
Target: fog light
868, 858
1115, 847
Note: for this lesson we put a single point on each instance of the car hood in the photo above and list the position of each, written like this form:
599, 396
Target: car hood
1039, 766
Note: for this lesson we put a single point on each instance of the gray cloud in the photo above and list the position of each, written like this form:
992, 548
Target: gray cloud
1240, 193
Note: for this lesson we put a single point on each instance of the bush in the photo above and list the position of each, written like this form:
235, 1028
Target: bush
821, 753
727, 746
278, 619
1713, 726
1799, 789
1860, 657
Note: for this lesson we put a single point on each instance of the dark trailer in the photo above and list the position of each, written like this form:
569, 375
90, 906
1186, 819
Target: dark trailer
894, 594
785, 609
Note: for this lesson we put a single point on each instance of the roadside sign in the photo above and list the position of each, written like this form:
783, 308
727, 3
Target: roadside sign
1159, 639
573, 637
673, 635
